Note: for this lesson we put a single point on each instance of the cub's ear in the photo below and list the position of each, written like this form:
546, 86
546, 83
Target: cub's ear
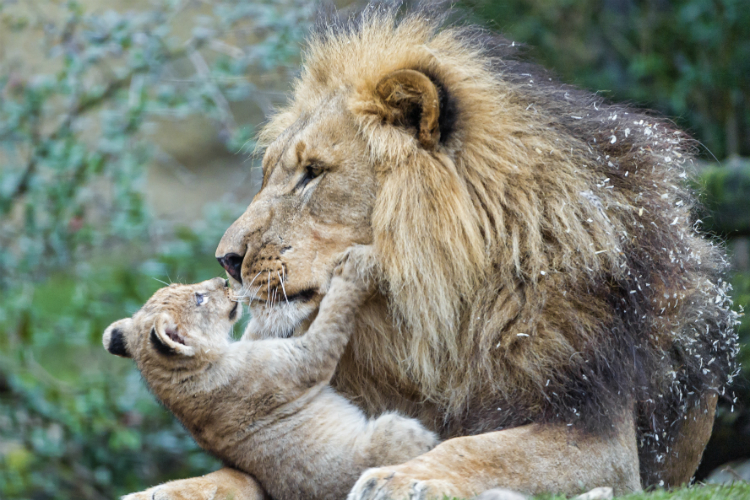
412, 100
167, 339
114, 338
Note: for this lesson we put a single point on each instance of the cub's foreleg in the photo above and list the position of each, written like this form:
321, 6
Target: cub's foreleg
316, 354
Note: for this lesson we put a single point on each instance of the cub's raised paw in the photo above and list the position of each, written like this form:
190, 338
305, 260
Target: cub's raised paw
357, 265
385, 483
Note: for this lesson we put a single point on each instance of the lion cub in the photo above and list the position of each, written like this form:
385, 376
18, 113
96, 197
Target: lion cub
264, 406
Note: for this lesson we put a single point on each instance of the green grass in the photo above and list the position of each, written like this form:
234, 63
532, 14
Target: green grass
739, 490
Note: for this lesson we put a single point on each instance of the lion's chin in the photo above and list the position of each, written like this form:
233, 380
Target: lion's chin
280, 320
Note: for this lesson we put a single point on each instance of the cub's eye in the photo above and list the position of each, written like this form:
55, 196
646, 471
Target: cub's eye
200, 299
311, 172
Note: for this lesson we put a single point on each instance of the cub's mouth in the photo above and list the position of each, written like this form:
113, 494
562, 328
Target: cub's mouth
233, 312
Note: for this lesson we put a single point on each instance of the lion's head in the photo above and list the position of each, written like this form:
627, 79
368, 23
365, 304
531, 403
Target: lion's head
403, 136
535, 245
316, 200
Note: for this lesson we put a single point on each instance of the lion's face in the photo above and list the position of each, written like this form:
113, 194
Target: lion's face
316, 200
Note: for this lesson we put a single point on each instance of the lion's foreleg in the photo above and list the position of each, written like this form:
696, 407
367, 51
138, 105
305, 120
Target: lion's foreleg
531, 459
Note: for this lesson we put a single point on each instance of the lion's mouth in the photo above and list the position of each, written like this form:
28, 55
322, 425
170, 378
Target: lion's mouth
279, 319
305, 295
302, 296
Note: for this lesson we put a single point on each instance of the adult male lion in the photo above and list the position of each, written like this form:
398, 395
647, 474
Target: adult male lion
547, 306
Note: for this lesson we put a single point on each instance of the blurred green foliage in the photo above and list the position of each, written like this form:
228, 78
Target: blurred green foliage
79, 249
75, 421
726, 204
725, 195
74, 140
689, 59
725, 213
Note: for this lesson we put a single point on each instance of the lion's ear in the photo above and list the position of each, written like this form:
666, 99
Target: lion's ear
412, 100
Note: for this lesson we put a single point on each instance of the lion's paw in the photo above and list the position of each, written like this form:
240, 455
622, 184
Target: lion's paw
387, 484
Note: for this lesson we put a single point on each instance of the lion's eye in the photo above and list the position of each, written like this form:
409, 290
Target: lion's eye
311, 172
200, 299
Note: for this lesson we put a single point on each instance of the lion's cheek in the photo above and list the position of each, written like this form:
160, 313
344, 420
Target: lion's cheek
314, 252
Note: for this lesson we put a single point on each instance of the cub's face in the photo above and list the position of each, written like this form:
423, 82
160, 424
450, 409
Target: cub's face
177, 323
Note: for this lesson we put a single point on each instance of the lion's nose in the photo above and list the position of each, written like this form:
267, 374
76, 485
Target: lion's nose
232, 263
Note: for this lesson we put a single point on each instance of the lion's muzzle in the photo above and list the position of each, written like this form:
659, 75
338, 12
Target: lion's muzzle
232, 263
268, 274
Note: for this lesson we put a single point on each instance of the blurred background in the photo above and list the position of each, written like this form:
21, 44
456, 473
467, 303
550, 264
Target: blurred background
126, 132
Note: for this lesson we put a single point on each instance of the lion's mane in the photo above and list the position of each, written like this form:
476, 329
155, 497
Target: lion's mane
542, 263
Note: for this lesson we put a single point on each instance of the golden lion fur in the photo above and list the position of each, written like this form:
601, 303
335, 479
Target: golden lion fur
547, 304
542, 259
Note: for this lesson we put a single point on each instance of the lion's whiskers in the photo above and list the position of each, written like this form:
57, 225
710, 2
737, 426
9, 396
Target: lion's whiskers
251, 293
283, 288
268, 293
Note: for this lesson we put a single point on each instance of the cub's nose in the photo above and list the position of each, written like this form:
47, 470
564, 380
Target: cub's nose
232, 263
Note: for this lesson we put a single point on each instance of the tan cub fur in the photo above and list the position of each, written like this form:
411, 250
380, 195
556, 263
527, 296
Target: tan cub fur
264, 406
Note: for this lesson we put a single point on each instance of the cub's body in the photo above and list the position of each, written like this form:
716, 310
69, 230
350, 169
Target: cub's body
264, 406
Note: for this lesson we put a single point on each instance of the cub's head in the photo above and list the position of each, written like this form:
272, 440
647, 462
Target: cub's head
179, 323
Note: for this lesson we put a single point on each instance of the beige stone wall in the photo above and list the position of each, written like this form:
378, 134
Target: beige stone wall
192, 166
